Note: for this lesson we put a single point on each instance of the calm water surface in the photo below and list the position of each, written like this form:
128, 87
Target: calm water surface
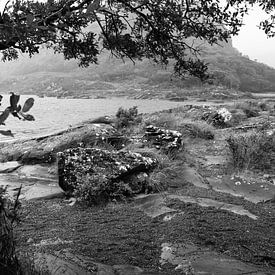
52, 114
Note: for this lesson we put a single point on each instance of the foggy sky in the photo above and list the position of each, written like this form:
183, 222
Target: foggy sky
253, 42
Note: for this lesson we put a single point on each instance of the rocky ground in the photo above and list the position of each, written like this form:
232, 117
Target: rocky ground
208, 218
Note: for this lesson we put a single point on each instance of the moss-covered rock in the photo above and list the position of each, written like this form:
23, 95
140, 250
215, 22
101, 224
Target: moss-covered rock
100, 173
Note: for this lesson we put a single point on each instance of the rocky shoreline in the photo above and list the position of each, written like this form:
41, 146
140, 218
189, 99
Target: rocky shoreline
202, 216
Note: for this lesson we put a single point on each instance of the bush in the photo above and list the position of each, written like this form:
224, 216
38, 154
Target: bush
95, 190
198, 130
10, 262
163, 120
263, 106
238, 116
250, 108
126, 118
253, 151
8, 214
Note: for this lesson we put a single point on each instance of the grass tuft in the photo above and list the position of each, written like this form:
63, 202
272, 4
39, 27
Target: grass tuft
198, 129
253, 150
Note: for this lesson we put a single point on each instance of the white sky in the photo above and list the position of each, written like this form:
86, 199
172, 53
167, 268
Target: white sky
251, 41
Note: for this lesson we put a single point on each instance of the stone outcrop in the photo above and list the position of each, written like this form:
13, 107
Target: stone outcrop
67, 263
44, 149
110, 166
163, 138
218, 118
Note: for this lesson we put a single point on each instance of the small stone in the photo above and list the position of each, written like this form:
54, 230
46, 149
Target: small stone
73, 202
30, 240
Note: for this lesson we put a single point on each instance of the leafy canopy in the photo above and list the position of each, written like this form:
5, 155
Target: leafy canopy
161, 30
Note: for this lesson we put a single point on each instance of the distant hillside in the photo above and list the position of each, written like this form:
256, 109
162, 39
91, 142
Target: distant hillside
50, 74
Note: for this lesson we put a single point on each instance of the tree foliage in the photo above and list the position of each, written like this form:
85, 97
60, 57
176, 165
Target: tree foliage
155, 29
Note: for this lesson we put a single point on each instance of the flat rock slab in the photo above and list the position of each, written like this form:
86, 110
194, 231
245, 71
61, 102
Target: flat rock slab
192, 176
41, 191
10, 166
43, 149
155, 205
215, 264
38, 182
39, 172
204, 202
190, 259
70, 264
249, 190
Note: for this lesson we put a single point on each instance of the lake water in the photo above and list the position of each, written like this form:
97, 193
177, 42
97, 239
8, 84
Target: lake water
52, 114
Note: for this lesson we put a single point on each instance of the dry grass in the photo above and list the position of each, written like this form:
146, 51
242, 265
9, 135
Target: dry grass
163, 120
198, 129
253, 150
253, 108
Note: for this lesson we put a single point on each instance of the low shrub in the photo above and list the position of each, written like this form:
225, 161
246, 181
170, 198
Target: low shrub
198, 129
163, 120
253, 150
251, 112
126, 118
238, 116
9, 264
95, 189
250, 108
263, 106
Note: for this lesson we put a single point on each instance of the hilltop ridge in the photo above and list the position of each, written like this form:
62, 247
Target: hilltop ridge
50, 74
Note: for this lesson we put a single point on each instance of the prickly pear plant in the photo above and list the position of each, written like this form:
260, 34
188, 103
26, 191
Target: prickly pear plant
16, 110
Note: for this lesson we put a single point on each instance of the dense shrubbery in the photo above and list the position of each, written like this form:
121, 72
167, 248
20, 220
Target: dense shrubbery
95, 189
252, 108
8, 214
163, 120
10, 262
126, 118
253, 151
198, 129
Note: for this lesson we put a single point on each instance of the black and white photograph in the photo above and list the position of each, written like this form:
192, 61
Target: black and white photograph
137, 137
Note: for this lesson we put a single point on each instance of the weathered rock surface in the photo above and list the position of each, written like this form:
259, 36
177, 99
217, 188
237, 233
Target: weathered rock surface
113, 166
44, 149
252, 190
190, 259
155, 205
8, 167
103, 120
69, 264
37, 181
163, 138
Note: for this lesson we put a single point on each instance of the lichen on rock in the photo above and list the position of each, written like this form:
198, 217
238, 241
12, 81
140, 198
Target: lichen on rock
163, 138
102, 172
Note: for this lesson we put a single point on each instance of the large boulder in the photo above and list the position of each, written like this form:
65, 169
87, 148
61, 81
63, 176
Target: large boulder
109, 167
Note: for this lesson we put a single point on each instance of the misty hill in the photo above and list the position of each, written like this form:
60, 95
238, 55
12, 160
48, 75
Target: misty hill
50, 74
